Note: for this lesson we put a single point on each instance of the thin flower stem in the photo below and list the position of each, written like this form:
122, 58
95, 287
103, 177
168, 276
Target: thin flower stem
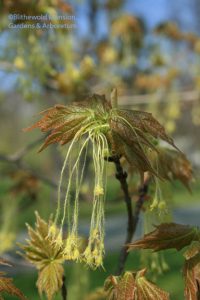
133, 217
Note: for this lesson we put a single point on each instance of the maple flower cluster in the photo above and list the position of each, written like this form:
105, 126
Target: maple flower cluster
99, 126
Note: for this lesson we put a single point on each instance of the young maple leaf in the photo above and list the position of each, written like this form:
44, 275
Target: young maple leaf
167, 236
120, 287
7, 286
45, 251
191, 272
133, 286
147, 290
192, 250
50, 279
65, 122
173, 165
128, 132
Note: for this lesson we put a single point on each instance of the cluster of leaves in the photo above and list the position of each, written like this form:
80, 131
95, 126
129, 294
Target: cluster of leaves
132, 286
46, 254
172, 235
129, 133
7, 286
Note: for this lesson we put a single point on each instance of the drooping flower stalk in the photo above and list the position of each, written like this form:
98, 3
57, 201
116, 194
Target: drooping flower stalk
72, 243
92, 136
73, 145
93, 254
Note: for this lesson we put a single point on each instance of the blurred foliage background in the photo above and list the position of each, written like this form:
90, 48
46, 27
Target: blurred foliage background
150, 51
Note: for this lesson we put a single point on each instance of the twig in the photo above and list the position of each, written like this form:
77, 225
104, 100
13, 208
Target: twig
21, 153
18, 155
22, 167
133, 218
64, 289
17, 159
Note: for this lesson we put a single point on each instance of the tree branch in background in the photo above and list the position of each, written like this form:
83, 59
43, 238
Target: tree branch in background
133, 218
21, 153
17, 159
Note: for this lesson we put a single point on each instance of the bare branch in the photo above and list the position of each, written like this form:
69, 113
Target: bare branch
133, 218
17, 159
21, 153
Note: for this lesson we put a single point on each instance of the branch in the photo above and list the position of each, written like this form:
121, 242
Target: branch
21, 153
21, 166
17, 158
133, 218
64, 289
18, 155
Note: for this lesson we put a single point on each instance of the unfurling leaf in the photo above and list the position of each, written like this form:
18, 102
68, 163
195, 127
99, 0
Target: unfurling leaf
120, 288
147, 290
45, 244
191, 273
173, 165
65, 122
167, 236
45, 251
50, 279
7, 286
129, 133
192, 250
145, 123
133, 286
